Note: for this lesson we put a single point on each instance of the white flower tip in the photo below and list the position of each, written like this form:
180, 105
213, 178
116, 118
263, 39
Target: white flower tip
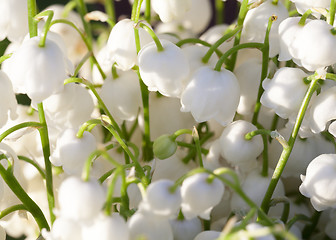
96, 16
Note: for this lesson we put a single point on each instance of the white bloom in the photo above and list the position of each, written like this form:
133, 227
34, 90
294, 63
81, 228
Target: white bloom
199, 195
122, 95
69, 108
149, 227
315, 5
71, 152
13, 20
8, 106
121, 44
165, 71
319, 183
80, 200
160, 200
236, 149
37, 71
64, 229
211, 95
107, 228
208, 235
322, 110
186, 229
285, 92
255, 24
170, 10
248, 75
315, 46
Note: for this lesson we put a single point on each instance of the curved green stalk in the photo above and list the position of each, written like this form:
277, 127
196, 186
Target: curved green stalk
12, 209
110, 10
27, 202
49, 14
153, 35
148, 13
81, 7
34, 164
36, 125
5, 57
288, 149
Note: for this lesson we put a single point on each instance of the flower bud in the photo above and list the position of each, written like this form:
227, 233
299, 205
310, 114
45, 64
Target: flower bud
164, 147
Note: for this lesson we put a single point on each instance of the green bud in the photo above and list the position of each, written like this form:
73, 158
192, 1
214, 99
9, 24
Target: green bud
164, 147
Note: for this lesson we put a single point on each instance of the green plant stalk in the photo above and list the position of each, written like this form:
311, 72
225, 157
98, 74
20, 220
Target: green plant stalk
155, 38
33, 163
32, 10
198, 146
219, 5
235, 49
49, 14
19, 126
148, 13
288, 149
241, 17
4, 57
110, 191
28, 203
12, 209
48, 167
332, 12
219, 42
197, 41
110, 10
86, 42
100, 101
264, 69
82, 10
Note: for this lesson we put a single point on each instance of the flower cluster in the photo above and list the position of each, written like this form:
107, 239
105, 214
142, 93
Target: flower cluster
162, 126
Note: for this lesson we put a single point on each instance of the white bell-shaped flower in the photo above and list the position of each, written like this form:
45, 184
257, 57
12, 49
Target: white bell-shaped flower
160, 199
121, 44
122, 95
105, 227
40, 78
288, 30
322, 110
186, 229
236, 149
71, 152
211, 94
255, 187
79, 200
69, 108
13, 20
165, 71
315, 45
8, 106
248, 75
319, 183
64, 229
315, 5
198, 17
255, 24
208, 235
148, 226
200, 195
169, 10
285, 92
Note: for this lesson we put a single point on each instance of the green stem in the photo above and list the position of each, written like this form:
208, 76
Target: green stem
198, 146
48, 167
252, 134
81, 8
332, 12
275, 2
288, 149
309, 229
4, 57
12, 209
49, 14
148, 13
110, 191
235, 49
304, 17
153, 35
87, 125
36, 125
110, 10
286, 208
181, 132
32, 23
219, 5
33, 163
197, 41
100, 101
138, 168
27, 202
191, 146
264, 69
81, 63
244, 7
220, 41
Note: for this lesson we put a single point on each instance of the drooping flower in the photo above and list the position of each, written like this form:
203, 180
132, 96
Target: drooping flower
170, 10
164, 71
211, 94
319, 183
